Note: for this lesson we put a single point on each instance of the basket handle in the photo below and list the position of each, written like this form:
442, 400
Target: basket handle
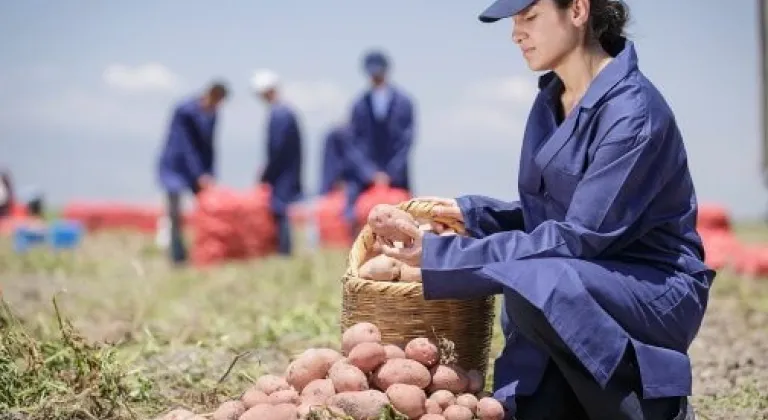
419, 208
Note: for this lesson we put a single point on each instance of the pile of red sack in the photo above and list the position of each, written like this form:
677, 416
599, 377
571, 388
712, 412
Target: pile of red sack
723, 249
97, 216
232, 225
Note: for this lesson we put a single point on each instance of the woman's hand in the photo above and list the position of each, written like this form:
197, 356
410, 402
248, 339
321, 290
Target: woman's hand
411, 252
445, 208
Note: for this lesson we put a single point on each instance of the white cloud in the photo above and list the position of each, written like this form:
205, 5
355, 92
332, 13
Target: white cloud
147, 77
495, 106
319, 98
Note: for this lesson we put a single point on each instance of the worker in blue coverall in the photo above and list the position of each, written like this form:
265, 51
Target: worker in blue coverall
382, 123
187, 159
283, 168
334, 165
599, 262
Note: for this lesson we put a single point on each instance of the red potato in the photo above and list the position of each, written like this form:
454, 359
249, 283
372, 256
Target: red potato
409, 274
381, 268
270, 383
360, 405
489, 409
409, 400
254, 396
423, 351
179, 414
432, 416
347, 378
362, 332
367, 356
271, 412
449, 377
457, 412
311, 365
443, 398
433, 407
476, 381
318, 391
285, 396
394, 352
383, 220
467, 400
401, 371
230, 410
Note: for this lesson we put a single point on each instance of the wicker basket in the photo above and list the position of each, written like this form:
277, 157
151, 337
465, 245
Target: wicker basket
401, 312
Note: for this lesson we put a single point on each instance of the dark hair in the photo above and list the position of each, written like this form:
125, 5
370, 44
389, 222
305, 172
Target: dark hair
218, 89
607, 20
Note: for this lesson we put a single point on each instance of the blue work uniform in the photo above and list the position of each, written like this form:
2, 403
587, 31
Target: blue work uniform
600, 257
382, 124
283, 170
334, 165
188, 153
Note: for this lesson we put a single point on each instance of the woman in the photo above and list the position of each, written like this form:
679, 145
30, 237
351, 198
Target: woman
6, 194
599, 262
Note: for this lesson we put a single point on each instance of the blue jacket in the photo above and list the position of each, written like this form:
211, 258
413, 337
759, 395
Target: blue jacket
189, 149
284, 158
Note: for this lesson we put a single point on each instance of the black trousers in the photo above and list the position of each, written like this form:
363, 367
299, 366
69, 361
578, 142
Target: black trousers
568, 390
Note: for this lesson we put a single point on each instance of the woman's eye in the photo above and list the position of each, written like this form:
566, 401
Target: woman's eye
532, 17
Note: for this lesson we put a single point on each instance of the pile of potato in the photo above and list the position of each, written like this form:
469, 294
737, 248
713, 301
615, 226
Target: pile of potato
379, 267
418, 382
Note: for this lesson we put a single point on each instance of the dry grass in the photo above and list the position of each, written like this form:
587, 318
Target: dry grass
193, 338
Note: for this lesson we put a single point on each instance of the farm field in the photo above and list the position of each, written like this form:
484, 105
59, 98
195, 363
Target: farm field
194, 338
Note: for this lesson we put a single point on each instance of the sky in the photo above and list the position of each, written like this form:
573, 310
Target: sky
86, 88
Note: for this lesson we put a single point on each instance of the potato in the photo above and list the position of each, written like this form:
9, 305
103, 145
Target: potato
457, 412
367, 356
383, 220
270, 383
423, 351
467, 400
449, 377
443, 398
347, 378
476, 381
285, 396
318, 391
401, 371
360, 405
362, 332
433, 407
432, 416
254, 396
178, 414
394, 352
230, 410
271, 412
311, 365
381, 268
489, 409
409, 400
409, 274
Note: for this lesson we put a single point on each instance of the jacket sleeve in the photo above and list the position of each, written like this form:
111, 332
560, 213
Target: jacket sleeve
397, 163
484, 216
362, 167
625, 176
187, 137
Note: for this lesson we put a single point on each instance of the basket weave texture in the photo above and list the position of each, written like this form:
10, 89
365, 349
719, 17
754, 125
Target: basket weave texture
400, 311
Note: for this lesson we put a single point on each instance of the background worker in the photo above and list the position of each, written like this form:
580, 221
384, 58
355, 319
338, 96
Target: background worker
283, 169
382, 124
334, 165
187, 158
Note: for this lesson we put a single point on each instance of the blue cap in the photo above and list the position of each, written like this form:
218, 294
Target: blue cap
501, 9
375, 62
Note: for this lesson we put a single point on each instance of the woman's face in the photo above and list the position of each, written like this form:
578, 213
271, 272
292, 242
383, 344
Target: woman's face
546, 33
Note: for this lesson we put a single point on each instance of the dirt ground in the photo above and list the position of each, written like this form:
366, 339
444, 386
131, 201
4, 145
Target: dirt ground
194, 338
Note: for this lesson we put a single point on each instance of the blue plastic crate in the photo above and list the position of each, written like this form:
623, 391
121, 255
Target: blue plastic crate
65, 234
26, 237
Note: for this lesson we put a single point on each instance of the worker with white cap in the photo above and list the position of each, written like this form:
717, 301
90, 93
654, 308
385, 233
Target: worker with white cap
382, 124
284, 158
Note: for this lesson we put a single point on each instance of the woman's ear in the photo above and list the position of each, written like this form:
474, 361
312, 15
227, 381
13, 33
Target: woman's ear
580, 10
